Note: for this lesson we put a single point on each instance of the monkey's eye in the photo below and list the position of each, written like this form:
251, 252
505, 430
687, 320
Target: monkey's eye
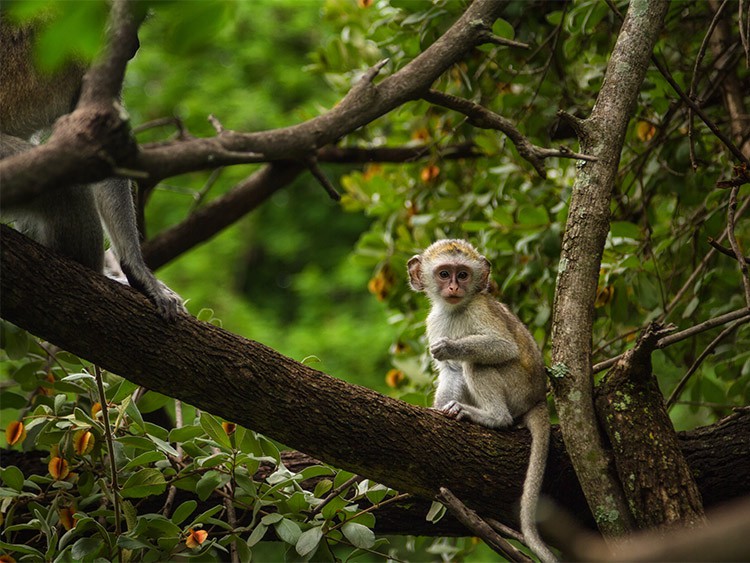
463, 275
444, 274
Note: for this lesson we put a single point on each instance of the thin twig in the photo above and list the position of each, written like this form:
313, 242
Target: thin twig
320, 176
373, 508
111, 449
201, 195
710, 254
731, 210
738, 314
724, 250
172, 493
483, 118
497, 40
214, 121
161, 122
694, 80
736, 152
744, 32
693, 368
231, 514
332, 495
505, 530
473, 522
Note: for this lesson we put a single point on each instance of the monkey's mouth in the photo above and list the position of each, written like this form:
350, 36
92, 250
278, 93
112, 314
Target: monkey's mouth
454, 299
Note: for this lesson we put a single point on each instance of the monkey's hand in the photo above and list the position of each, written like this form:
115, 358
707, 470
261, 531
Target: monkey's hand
444, 349
456, 410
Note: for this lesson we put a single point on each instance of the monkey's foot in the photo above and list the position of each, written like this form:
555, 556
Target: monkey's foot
456, 410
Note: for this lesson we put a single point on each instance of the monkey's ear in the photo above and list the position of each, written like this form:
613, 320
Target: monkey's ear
484, 275
414, 265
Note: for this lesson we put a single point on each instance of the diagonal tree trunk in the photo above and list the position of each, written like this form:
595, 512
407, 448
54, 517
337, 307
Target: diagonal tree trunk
602, 135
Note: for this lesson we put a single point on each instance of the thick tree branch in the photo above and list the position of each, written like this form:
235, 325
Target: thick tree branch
716, 455
601, 135
365, 102
632, 411
249, 194
103, 82
344, 425
87, 144
210, 220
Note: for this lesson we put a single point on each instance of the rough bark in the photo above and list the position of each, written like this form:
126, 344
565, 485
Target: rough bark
601, 135
32, 172
211, 219
717, 456
341, 424
345, 425
658, 484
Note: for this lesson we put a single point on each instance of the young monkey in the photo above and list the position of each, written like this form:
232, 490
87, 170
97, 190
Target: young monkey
490, 370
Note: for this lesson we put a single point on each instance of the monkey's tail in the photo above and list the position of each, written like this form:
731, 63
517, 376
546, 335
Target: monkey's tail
537, 421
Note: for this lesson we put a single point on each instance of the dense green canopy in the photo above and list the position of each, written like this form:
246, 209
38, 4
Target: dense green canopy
514, 134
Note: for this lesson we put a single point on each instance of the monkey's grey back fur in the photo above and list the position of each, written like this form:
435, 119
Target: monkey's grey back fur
67, 219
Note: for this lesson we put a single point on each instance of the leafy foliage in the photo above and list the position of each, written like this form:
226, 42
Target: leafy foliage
280, 278
69, 512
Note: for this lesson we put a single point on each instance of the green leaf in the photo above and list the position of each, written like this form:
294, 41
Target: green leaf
78, 377
271, 519
243, 550
85, 548
135, 415
163, 446
144, 483
204, 516
206, 485
359, 535
118, 392
536, 216
436, 512
144, 459
180, 435
214, 429
128, 542
13, 477
691, 307
288, 530
309, 540
15, 342
20, 548
315, 471
182, 512
474, 226
246, 483
131, 515
323, 487
503, 29
10, 400
258, 533
377, 493
625, 229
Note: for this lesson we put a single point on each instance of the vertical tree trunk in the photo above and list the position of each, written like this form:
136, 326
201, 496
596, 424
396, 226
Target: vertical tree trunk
601, 135
658, 484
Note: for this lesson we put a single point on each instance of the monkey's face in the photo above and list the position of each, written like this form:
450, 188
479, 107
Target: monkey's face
454, 282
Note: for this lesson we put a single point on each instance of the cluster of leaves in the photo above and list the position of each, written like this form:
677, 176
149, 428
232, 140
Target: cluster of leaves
76, 511
662, 214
